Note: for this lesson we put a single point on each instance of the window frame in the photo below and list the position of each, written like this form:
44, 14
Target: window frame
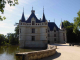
54, 35
33, 30
33, 38
33, 22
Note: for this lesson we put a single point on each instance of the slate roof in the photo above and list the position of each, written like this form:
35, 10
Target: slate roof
52, 25
31, 16
62, 26
43, 18
23, 18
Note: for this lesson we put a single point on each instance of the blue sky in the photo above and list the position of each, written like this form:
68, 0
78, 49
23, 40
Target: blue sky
53, 9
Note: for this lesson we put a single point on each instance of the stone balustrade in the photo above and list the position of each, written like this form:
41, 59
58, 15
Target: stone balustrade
36, 54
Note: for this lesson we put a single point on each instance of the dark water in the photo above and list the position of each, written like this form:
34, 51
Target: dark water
8, 53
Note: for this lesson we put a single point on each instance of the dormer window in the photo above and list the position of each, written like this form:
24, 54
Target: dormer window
33, 22
54, 30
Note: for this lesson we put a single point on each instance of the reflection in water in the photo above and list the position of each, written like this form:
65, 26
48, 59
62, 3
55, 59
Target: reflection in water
8, 53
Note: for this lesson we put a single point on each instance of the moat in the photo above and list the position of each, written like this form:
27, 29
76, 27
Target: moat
8, 53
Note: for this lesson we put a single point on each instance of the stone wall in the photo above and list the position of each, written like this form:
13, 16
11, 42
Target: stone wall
36, 54
33, 44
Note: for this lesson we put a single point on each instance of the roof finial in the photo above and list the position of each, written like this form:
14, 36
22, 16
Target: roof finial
43, 9
61, 19
32, 7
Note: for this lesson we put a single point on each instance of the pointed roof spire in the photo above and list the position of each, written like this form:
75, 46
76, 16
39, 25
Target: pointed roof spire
61, 26
23, 18
43, 18
61, 19
43, 9
23, 9
32, 7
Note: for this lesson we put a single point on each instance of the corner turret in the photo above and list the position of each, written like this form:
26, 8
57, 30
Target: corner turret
23, 17
43, 18
61, 26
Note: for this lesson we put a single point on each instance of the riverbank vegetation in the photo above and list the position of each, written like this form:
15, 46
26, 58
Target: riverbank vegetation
10, 38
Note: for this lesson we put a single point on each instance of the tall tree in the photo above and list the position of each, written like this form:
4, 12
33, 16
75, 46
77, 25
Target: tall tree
77, 23
2, 6
17, 30
69, 28
67, 23
76, 29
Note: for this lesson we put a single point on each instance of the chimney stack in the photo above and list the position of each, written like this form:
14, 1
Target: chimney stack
40, 19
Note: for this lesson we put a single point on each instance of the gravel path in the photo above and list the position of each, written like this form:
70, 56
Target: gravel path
65, 52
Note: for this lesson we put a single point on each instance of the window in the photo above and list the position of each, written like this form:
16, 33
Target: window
46, 30
54, 30
33, 22
33, 30
54, 35
54, 39
48, 35
33, 38
20, 30
63, 34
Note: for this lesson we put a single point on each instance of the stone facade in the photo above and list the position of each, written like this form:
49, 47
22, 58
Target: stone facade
36, 33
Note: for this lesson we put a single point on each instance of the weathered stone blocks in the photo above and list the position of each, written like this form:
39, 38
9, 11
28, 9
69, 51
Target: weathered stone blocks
36, 54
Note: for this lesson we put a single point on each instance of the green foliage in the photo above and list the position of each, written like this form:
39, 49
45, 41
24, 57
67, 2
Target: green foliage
77, 23
2, 6
67, 23
71, 37
3, 39
17, 30
13, 39
69, 31
2, 18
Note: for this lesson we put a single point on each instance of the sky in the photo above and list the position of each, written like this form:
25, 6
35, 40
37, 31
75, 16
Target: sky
54, 10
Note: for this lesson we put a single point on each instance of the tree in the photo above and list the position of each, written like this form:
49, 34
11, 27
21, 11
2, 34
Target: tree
2, 6
67, 23
76, 29
69, 28
77, 23
17, 30
13, 39
2, 39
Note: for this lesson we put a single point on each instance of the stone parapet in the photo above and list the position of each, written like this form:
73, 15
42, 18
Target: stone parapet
36, 54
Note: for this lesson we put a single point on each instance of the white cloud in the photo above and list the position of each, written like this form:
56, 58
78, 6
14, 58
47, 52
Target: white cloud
6, 27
